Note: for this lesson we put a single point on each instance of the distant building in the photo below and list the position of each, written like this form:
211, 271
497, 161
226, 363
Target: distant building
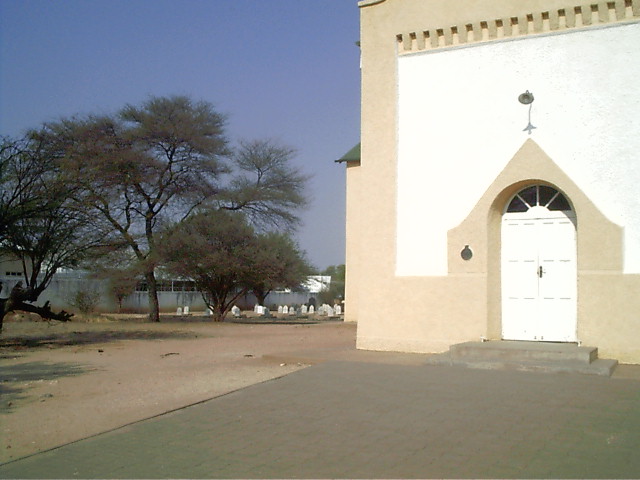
495, 192
317, 283
172, 292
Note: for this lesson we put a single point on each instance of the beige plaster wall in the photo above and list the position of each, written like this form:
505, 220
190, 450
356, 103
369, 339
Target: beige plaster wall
353, 238
607, 307
427, 314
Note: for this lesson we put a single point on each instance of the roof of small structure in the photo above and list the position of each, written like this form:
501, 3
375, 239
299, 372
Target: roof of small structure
352, 155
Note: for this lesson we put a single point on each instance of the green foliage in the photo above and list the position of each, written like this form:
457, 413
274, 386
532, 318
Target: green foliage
279, 264
217, 250
335, 292
226, 258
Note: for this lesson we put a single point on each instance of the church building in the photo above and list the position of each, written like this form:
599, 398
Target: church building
496, 194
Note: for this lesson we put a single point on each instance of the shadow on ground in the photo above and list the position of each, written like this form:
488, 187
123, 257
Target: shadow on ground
63, 339
16, 379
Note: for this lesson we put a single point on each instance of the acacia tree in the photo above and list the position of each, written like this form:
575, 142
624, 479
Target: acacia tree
136, 169
162, 160
279, 264
43, 229
217, 250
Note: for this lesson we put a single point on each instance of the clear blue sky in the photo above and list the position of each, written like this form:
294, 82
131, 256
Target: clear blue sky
283, 69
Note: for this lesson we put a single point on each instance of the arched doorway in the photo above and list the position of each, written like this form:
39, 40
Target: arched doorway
539, 268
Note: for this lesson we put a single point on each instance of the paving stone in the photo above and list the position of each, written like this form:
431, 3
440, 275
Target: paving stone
363, 420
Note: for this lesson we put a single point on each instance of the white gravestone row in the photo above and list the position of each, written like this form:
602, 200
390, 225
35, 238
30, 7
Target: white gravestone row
324, 309
328, 310
260, 310
303, 310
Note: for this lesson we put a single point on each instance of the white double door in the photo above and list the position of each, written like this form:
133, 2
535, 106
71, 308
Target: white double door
539, 276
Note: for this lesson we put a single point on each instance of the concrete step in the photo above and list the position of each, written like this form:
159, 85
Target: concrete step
524, 351
526, 356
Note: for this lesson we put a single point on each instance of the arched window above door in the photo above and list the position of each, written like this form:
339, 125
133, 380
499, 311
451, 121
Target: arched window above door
538, 196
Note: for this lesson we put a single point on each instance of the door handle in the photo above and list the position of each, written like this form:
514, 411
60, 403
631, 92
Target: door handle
540, 272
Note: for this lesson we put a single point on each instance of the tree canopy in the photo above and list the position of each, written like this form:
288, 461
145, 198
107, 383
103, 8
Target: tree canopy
41, 228
100, 184
226, 258
157, 163
217, 250
280, 263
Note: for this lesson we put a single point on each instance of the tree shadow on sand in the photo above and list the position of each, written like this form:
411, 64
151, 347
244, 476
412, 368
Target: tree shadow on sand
64, 339
16, 379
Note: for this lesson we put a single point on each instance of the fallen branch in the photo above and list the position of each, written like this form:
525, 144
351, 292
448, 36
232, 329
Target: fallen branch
17, 301
44, 311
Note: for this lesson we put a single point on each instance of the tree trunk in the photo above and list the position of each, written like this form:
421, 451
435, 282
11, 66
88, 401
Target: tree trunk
219, 313
154, 305
261, 295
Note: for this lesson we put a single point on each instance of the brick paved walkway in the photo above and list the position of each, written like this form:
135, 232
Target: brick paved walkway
350, 419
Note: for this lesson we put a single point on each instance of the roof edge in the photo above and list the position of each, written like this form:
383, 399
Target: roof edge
352, 156
368, 3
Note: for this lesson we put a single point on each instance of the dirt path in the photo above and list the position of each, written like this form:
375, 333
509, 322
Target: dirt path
65, 382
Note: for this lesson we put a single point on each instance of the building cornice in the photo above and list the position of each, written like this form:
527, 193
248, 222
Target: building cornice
564, 19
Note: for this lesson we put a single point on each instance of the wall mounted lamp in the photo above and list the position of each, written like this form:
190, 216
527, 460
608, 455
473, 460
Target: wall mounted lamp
527, 98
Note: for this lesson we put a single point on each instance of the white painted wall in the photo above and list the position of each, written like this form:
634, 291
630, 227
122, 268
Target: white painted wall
460, 123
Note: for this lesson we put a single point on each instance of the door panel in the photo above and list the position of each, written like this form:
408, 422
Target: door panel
520, 282
539, 278
557, 256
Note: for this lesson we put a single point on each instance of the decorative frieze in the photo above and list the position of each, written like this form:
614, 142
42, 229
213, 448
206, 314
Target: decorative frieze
579, 16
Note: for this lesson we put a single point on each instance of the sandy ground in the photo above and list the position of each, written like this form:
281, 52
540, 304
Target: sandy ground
63, 382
